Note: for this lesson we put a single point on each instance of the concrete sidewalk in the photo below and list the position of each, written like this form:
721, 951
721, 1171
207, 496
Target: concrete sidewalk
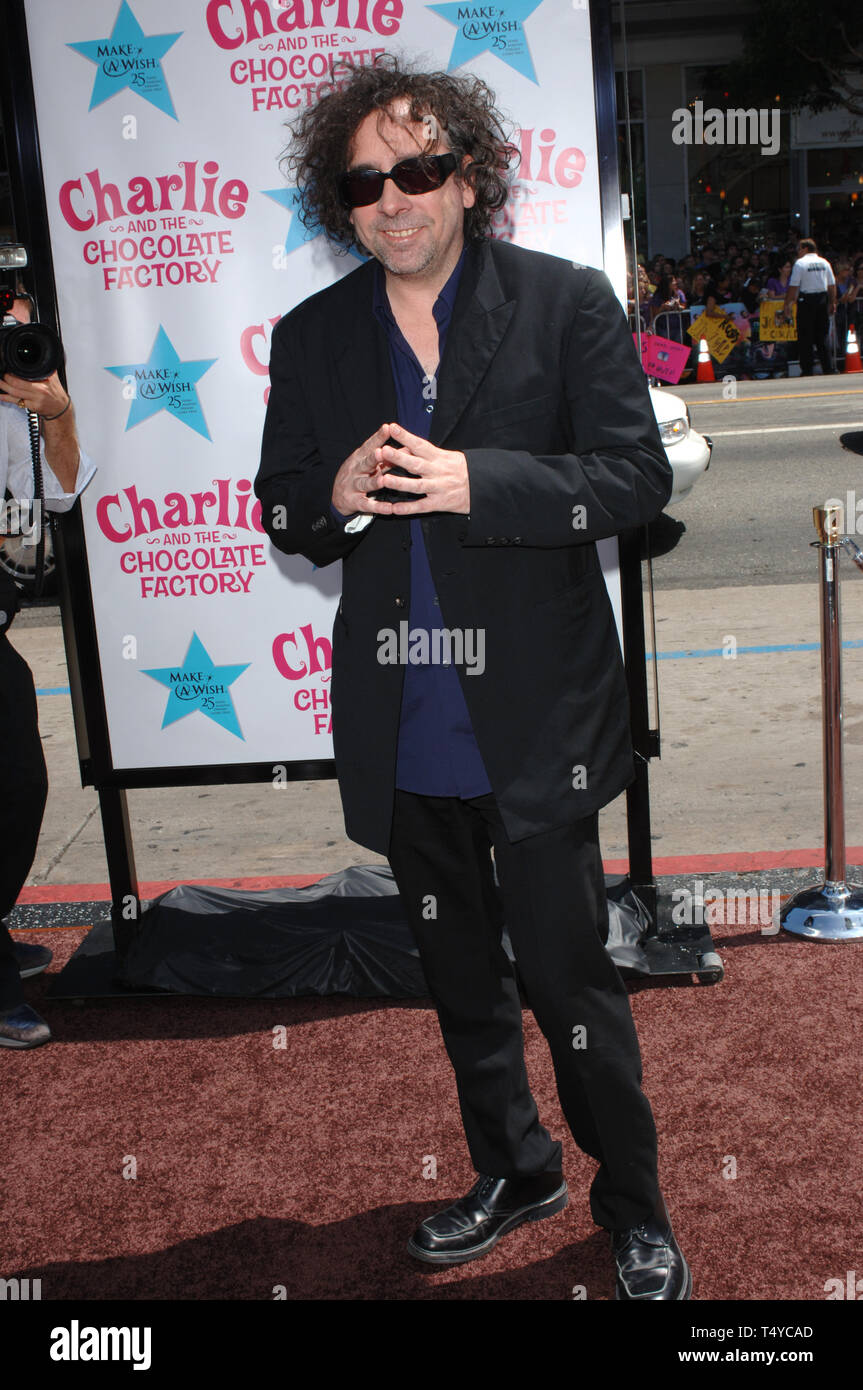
740, 772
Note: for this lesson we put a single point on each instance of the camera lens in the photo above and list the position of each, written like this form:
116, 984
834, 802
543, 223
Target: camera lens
31, 351
28, 350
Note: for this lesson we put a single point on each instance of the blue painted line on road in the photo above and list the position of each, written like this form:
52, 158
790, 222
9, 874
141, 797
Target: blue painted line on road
746, 651
693, 654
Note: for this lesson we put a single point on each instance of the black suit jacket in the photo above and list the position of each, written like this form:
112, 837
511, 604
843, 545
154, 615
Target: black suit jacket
541, 388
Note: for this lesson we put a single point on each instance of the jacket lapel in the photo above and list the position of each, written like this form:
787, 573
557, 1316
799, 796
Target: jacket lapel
363, 365
480, 318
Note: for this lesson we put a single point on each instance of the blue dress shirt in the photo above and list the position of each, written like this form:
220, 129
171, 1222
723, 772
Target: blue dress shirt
437, 750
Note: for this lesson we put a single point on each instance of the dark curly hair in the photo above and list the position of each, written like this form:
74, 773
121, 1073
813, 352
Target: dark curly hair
319, 149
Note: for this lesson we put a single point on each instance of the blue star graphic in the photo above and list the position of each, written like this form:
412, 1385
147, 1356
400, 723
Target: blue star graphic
163, 382
298, 233
129, 58
199, 685
493, 29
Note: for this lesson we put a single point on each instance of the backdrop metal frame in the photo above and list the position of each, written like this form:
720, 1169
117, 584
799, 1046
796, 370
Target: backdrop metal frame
76, 600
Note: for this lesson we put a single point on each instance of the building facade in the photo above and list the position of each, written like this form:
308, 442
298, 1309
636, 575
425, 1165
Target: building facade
808, 179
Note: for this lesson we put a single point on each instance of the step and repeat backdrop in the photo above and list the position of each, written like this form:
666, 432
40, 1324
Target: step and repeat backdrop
177, 247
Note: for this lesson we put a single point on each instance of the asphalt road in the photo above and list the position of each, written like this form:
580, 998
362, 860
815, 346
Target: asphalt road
780, 449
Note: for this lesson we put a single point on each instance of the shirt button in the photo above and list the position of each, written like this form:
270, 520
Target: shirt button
400, 603
429, 409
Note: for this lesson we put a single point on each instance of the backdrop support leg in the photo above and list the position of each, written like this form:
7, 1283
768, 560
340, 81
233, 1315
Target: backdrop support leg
645, 741
122, 875
638, 836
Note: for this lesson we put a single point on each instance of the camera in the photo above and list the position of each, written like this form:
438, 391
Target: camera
31, 351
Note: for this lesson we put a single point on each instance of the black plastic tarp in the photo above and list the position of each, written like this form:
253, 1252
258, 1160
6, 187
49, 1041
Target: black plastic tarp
345, 934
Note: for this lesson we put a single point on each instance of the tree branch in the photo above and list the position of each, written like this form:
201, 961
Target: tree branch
835, 73
851, 49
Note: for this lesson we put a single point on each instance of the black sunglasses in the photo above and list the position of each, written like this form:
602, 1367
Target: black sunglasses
420, 174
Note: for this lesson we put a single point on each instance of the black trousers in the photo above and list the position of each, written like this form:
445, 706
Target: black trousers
812, 325
552, 897
24, 790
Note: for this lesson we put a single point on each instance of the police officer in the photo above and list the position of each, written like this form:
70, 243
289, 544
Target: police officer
66, 471
813, 285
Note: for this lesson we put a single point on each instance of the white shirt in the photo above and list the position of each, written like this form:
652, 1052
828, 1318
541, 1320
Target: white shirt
16, 467
811, 274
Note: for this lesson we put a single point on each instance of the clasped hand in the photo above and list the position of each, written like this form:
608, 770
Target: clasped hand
45, 397
441, 474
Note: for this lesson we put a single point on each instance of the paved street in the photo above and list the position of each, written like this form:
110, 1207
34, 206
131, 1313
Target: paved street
781, 448
741, 736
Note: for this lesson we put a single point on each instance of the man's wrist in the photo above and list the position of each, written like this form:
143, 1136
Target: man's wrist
48, 418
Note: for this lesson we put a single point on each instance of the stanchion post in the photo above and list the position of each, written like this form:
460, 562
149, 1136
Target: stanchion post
827, 524
832, 910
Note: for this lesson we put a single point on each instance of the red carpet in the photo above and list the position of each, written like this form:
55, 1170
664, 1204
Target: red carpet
302, 1167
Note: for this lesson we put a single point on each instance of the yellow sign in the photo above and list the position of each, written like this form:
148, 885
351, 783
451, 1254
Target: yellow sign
722, 334
770, 330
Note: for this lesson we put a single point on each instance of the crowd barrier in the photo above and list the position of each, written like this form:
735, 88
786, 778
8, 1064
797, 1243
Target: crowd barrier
751, 356
673, 323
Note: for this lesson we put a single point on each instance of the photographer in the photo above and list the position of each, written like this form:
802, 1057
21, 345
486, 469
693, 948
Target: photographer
66, 471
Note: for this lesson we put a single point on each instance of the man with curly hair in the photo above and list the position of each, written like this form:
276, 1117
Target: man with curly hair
458, 421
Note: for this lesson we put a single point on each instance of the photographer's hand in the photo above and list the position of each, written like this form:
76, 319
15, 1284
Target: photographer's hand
57, 420
45, 397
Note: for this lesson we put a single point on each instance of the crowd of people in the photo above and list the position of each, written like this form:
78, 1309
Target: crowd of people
741, 273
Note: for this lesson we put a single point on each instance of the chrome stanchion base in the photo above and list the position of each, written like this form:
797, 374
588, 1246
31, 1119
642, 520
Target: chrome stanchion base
825, 912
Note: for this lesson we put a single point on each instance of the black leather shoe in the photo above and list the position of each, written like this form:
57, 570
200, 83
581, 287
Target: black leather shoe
650, 1264
474, 1224
23, 1027
31, 959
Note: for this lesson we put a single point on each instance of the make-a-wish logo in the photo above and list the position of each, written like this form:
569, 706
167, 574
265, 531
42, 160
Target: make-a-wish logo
163, 382
129, 58
198, 684
490, 29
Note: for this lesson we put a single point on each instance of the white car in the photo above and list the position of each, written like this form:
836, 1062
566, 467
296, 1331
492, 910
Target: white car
687, 451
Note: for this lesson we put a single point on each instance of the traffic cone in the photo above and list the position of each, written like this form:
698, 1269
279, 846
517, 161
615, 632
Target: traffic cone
852, 353
704, 371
